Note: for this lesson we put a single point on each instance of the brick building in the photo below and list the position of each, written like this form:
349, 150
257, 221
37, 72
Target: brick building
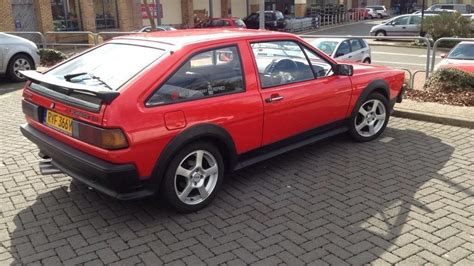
128, 15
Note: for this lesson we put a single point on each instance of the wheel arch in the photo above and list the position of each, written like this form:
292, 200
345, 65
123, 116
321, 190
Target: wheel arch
202, 132
10, 60
378, 86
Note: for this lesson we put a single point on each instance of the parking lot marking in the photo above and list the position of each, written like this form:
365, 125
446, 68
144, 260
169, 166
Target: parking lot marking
386, 139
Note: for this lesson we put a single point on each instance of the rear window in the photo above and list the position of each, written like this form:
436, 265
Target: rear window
112, 65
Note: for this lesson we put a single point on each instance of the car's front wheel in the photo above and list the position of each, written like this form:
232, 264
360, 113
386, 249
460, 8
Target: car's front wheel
17, 63
370, 119
193, 177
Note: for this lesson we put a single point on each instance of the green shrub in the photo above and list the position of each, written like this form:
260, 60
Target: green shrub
450, 79
447, 25
49, 57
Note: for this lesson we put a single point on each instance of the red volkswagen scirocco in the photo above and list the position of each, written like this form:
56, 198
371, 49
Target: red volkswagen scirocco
170, 113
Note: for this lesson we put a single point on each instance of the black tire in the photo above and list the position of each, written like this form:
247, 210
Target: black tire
356, 118
172, 182
379, 16
14, 65
366, 61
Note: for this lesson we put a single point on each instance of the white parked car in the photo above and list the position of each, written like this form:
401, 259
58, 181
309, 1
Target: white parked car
351, 49
17, 54
380, 10
158, 28
372, 13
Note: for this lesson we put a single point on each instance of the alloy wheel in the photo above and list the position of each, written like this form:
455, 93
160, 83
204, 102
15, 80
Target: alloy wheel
196, 177
20, 64
370, 118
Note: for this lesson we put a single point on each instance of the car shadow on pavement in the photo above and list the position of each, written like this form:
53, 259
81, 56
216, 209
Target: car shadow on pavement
335, 201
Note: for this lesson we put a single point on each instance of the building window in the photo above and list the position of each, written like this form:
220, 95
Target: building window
106, 14
65, 15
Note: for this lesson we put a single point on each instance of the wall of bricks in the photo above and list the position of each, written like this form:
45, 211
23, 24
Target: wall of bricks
6, 21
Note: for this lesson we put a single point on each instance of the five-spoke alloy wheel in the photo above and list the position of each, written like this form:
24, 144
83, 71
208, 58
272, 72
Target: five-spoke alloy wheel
193, 177
370, 119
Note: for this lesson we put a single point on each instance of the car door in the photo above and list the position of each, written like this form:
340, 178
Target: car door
413, 27
399, 26
357, 53
298, 95
343, 52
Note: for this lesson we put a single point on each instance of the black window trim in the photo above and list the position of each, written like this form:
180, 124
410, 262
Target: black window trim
302, 47
244, 89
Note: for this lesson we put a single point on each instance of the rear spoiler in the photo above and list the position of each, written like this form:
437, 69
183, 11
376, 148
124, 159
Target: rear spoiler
107, 96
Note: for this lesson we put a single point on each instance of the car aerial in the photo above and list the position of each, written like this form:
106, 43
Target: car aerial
460, 57
221, 23
381, 11
274, 20
404, 25
170, 113
158, 28
349, 49
17, 54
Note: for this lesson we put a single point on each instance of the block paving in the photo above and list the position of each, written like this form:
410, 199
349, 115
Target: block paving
406, 198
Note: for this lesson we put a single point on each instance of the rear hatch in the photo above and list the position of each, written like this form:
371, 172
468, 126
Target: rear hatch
73, 96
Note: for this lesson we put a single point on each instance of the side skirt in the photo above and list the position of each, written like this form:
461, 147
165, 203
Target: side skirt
292, 143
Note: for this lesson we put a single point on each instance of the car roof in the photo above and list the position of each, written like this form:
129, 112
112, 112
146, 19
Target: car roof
192, 36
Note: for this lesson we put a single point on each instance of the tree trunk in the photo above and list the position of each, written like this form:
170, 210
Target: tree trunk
149, 15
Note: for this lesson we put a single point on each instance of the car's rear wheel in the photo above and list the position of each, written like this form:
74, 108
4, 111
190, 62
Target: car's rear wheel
17, 63
193, 177
370, 119
379, 16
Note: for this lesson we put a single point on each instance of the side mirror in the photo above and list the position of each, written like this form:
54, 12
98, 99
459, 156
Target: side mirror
225, 56
343, 70
444, 56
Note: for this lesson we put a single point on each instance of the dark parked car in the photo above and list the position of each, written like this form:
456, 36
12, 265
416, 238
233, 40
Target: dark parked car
274, 20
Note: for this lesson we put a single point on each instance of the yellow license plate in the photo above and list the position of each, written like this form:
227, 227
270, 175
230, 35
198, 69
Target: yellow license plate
59, 122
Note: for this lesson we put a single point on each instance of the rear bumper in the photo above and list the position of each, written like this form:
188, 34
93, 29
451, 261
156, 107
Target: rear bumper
116, 180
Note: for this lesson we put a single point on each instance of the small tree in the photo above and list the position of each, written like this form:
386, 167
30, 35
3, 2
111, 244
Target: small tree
447, 25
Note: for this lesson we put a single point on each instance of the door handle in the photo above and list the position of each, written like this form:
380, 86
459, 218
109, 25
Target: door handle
350, 56
274, 98
404, 27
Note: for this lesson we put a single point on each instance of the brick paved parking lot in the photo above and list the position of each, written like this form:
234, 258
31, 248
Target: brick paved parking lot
406, 198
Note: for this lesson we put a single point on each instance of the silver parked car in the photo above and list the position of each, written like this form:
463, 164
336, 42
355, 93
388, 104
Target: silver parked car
17, 54
351, 49
404, 25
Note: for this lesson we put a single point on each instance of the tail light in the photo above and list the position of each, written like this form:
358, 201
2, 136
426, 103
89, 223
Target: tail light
110, 139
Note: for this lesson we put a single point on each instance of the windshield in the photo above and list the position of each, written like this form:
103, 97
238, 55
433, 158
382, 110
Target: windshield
326, 46
463, 51
110, 65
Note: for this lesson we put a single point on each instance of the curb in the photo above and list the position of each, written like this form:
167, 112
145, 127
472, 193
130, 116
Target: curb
411, 114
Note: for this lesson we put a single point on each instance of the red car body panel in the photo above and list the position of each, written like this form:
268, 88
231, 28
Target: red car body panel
250, 121
467, 67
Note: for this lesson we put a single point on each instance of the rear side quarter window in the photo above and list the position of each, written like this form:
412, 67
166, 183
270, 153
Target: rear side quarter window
206, 74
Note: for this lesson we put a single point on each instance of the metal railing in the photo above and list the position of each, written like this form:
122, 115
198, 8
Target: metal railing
435, 47
88, 34
424, 39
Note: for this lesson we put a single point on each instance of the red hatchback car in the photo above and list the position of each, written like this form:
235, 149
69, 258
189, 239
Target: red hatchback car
221, 23
170, 113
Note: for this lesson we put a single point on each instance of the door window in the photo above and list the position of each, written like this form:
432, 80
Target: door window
281, 62
401, 21
355, 45
344, 48
321, 67
415, 20
211, 73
